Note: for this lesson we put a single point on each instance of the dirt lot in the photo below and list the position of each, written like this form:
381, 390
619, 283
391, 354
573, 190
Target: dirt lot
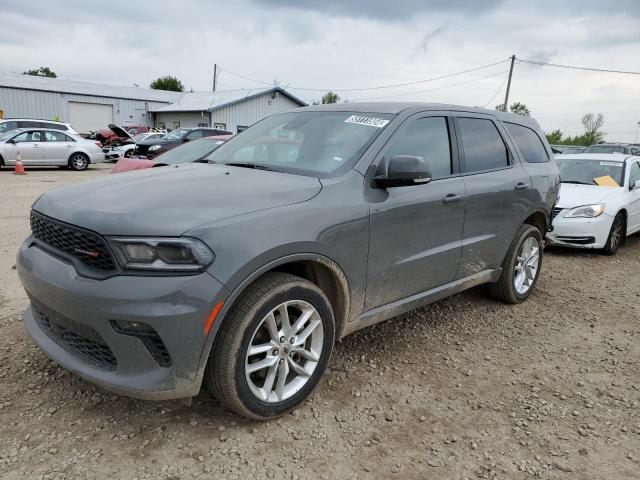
466, 388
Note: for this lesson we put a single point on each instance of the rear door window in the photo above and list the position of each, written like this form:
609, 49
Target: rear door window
56, 137
528, 143
483, 146
30, 124
55, 126
195, 135
427, 138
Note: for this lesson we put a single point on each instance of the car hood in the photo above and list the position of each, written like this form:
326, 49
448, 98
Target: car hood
575, 195
168, 201
119, 131
156, 141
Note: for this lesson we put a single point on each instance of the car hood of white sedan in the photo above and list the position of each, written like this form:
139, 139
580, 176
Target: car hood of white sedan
575, 195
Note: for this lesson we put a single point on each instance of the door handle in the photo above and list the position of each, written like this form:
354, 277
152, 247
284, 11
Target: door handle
522, 186
36, 146
452, 198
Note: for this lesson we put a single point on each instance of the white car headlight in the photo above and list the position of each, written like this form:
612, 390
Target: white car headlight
586, 211
181, 254
153, 148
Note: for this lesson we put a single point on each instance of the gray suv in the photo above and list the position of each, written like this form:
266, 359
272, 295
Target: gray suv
241, 273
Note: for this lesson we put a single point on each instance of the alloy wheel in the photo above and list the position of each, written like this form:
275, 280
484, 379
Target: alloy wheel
284, 351
79, 162
527, 264
616, 233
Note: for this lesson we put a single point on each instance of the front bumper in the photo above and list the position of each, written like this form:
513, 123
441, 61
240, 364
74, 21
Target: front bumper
97, 157
74, 320
580, 232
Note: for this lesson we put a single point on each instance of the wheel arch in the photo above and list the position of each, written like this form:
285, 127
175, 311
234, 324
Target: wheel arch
318, 269
75, 152
538, 219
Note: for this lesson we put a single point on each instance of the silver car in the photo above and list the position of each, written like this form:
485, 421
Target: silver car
46, 146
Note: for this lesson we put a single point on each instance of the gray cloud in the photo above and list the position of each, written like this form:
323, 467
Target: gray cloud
386, 10
427, 40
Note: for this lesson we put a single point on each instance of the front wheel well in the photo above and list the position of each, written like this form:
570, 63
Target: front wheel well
330, 279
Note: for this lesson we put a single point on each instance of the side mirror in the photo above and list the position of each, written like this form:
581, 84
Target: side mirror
12, 140
403, 171
636, 185
184, 140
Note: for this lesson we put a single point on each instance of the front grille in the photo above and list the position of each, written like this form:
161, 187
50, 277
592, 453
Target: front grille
81, 340
555, 212
86, 246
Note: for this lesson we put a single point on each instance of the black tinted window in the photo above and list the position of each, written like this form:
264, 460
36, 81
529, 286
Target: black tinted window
427, 138
55, 126
483, 145
30, 124
8, 126
529, 143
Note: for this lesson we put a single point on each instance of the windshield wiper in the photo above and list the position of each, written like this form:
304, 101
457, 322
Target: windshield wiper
255, 166
576, 182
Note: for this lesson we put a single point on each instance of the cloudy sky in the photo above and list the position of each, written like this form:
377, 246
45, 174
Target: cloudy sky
311, 46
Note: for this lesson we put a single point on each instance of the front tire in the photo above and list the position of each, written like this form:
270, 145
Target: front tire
79, 161
616, 235
521, 266
273, 348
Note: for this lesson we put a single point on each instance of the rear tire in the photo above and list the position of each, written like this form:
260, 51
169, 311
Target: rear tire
521, 266
78, 161
293, 362
617, 235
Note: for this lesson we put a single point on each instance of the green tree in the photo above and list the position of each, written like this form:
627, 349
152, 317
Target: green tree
555, 137
41, 72
167, 83
516, 107
593, 128
330, 97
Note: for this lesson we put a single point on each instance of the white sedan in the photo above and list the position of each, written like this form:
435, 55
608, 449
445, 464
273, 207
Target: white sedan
44, 147
599, 203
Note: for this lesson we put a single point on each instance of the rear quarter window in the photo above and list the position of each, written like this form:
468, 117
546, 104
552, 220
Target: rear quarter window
528, 142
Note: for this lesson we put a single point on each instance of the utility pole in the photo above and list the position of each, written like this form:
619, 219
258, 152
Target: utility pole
506, 96
215, 75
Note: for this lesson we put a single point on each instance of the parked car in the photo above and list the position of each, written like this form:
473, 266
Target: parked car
243, 271
9, 124
599, 202
116, 151
45, 147
153, 148
623, 148
196, 151
116, 135
561, 149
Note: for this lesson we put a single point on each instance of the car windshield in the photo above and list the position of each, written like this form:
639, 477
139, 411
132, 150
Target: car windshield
319, 144
586, 172
138, 137
189, 152
604, 149
176, 134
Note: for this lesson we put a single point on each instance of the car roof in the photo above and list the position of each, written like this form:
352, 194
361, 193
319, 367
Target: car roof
20, 119
613, 157
399, 107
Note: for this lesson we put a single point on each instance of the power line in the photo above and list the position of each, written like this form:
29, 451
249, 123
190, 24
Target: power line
497, 91
361, 89
573, 67
436, 88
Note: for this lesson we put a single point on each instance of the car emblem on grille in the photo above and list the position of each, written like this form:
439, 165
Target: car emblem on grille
90, 253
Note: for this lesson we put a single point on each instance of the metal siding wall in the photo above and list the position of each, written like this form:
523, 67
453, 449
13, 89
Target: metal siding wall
249, 112
49, 105
186, 119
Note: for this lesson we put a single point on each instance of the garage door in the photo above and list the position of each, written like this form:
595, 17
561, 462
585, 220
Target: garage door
87, 117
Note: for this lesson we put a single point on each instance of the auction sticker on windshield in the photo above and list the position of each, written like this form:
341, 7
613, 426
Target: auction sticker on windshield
610, 164
370, 121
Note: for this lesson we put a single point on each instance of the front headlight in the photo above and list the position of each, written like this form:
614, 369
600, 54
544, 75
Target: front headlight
163, 254
586, 211
153, 148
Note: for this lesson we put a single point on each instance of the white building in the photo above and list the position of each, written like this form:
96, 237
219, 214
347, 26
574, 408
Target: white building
91, 106
231, 110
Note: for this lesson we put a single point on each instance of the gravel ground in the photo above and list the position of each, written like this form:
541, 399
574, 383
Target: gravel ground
465, 388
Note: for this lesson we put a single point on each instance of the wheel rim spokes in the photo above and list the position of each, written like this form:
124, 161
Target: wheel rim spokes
284, 351
526, 266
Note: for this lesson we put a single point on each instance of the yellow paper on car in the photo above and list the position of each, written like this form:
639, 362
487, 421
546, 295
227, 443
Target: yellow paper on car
606, 181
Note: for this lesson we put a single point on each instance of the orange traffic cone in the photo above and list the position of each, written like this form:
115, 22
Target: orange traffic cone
19, 166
